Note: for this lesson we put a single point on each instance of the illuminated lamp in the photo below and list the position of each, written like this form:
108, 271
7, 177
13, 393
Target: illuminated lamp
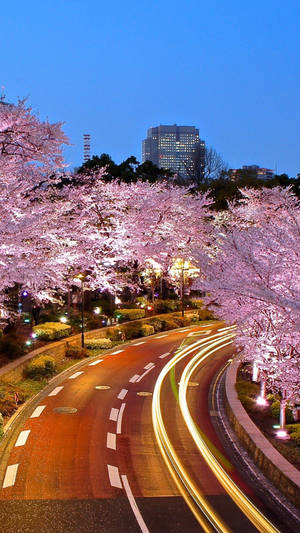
97, 310
24, 293
261, 401
282, 434
63, 319
33, 335
28, 343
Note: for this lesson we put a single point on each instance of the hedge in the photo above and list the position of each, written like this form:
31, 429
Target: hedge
52, 330
146, 330
40, 367
129, 314
94, 344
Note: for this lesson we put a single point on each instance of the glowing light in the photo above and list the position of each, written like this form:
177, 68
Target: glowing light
150, 307
63, 319
27, 320
33, 335
28, 343
97, 310
282, 434
24, 293
118, 300
261, 401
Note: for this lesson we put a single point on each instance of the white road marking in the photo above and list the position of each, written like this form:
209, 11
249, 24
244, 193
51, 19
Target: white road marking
122, 394
114, 476
134, 378
118, 351
38, 411
111, 441
114, 414
139, 343
164, 355
95, 362
134, 506
119, 423
149, 370
161, 336
55, 391
22, 438
10, 476
149, 365
74, 376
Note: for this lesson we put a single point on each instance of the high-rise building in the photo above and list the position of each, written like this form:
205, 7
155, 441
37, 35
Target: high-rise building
173, 147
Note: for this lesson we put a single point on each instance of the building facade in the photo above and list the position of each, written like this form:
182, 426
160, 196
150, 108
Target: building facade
259, 172
172, 147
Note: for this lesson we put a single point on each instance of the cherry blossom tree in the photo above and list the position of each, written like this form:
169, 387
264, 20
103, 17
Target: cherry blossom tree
253, 280
30, 150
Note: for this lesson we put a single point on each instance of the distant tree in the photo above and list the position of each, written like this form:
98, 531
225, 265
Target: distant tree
128, 171
204, 166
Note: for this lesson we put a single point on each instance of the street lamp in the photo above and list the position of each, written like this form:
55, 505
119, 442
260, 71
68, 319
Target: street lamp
81, 277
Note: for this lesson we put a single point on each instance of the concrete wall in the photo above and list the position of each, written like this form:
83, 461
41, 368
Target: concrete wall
282, 473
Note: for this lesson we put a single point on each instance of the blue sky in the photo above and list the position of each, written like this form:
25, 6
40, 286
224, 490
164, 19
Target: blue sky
114, 69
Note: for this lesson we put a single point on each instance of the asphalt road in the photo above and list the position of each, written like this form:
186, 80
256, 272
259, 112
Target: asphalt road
86, 460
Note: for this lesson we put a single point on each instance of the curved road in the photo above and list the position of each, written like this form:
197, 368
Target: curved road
86, 460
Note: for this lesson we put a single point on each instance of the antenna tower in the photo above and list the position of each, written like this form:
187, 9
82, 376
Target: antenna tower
86, 147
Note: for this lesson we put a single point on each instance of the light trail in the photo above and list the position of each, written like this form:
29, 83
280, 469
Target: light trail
248, 508
198, 504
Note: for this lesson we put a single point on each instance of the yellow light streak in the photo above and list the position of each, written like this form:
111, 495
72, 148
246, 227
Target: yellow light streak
198, 504
248, 508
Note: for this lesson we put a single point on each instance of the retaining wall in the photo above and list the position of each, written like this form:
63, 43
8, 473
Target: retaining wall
282, 473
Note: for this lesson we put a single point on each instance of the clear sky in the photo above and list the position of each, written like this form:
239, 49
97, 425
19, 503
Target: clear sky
115, 68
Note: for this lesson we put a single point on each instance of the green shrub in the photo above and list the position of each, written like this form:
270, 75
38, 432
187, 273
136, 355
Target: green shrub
247, 388
248, 403
156, 323
131, 331
169, 324
40, 367
114, 334
294, 431
195, 304
205, 314
275, 410
129, 314
52, 330
11, 347
166, 306
75, 352
146, 330
93, 344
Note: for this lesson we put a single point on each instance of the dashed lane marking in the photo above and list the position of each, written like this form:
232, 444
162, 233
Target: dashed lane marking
114, 413
22, 438
115, 353
111, 441
139, 343
74, 376
10, 476
122, 394
164, 355
134, 506
55, 391
38, 410
141, 377
162, 336
119, 422
96, 362
149, 365
134, 378
114, 476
